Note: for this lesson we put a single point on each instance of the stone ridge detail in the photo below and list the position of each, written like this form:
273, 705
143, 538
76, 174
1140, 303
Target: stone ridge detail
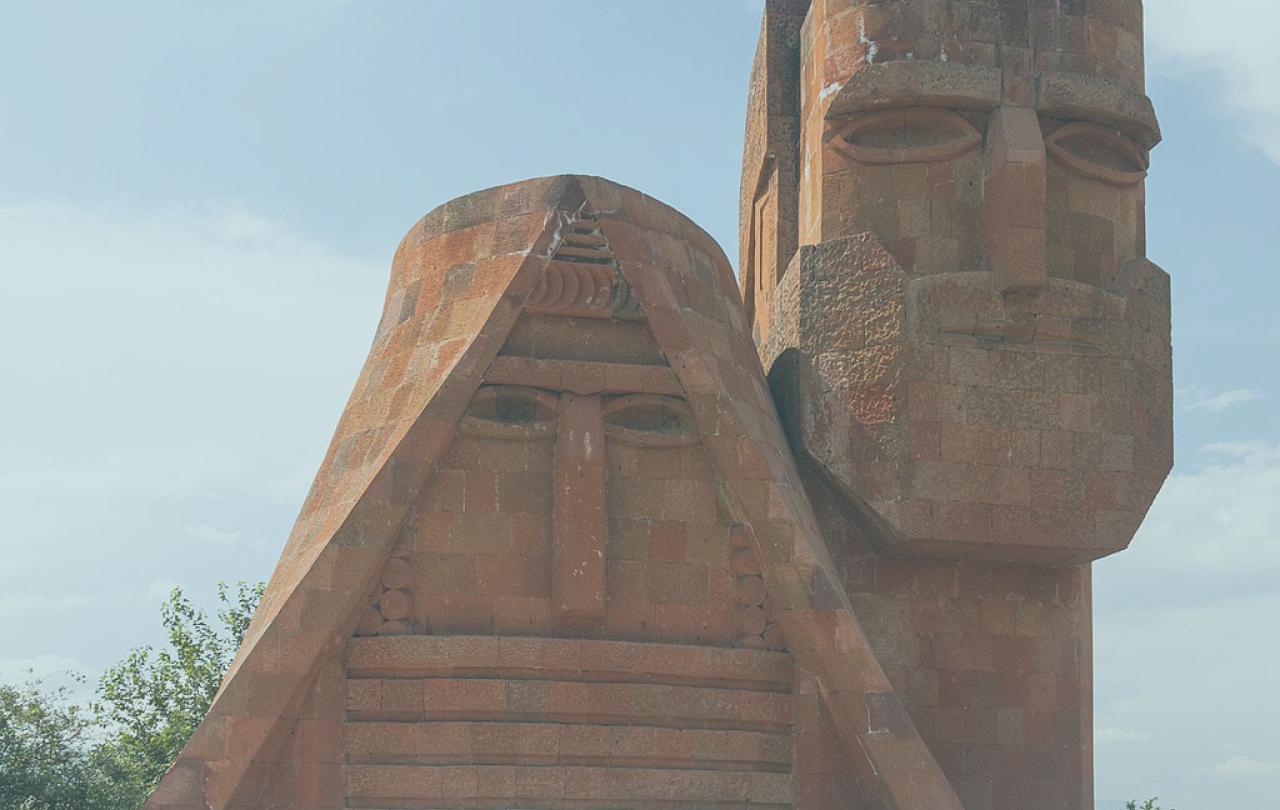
582, 279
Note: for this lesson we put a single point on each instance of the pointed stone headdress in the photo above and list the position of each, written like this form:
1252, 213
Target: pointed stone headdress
584, 249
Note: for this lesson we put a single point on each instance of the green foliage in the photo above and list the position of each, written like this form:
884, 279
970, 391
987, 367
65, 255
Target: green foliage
55, 754
1149, 804
48, 757
154, 700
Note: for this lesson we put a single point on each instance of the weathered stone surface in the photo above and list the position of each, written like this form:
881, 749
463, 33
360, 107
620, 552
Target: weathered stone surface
567, 534
571, 548
929, 395
970, 354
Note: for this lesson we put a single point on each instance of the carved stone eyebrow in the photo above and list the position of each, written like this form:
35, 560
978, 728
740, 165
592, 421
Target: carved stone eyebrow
1058, 93
919, 84
1098, 100
583, 377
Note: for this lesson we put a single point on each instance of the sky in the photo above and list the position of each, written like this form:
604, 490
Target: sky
198, 207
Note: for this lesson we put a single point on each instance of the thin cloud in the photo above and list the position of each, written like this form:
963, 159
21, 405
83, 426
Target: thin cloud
172, 368
1111, 734
1231, 43
25, 604
159, 591
1213, 532
1241, 767
1190, 604
134, 472
184, 332
203, 531
1203, 399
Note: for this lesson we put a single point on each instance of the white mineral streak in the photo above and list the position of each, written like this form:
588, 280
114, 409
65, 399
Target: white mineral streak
872, 48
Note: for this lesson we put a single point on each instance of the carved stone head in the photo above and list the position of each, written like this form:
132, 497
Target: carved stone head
558, 497
945, 260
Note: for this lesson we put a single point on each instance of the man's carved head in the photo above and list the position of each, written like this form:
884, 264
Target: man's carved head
1008, 136
944, 234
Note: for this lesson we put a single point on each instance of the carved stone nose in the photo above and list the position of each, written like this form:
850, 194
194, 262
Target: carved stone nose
578, 515
1015, 199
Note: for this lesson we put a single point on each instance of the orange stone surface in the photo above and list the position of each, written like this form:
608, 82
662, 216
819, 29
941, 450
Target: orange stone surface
600, 530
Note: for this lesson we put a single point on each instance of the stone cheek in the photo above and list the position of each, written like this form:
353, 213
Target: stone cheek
965, 422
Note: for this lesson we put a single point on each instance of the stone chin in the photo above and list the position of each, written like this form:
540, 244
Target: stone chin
953, 420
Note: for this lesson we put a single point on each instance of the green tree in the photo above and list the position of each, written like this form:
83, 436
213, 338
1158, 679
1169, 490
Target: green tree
1149, 804
49, 757
154, 700
57, 755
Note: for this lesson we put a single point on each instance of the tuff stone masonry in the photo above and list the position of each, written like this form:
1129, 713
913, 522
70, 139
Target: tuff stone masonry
599, 530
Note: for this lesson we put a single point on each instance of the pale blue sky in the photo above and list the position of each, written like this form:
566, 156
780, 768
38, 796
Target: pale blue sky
198, 205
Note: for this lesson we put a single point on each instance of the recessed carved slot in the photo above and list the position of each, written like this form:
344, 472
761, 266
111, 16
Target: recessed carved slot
1097, 152
908, 135
511, 411
585, 244
648, 420
592, 340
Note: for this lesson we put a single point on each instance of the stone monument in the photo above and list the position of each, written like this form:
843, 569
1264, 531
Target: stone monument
594, 535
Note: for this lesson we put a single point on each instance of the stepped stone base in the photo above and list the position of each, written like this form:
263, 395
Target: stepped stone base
488, 721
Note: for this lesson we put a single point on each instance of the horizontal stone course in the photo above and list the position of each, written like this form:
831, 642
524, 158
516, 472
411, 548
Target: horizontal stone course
514, 657
665, 788
475, 721
481, 743
440, 699
582, 377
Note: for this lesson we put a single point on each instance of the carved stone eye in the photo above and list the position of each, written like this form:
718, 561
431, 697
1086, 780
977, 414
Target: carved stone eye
650, 421
1097, 152
511, 412
908, 135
